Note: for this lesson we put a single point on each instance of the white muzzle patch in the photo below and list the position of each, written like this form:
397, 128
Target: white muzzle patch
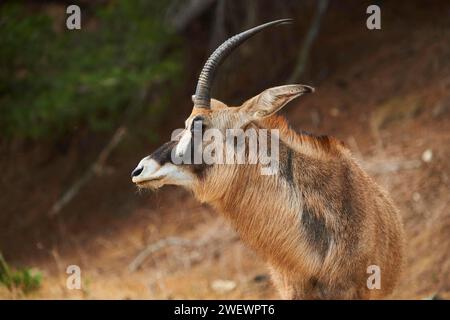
149, 171
168, 173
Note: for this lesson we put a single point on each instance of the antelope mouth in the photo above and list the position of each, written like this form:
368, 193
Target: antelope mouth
149, 183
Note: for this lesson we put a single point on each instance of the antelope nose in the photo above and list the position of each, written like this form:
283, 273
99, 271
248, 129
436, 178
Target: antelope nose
137, 171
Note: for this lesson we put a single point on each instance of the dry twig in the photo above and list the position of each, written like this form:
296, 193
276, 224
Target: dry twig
156, 246
182, 15
307, 43
96, 168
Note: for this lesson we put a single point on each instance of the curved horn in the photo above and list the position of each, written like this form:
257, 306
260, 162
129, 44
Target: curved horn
202, 98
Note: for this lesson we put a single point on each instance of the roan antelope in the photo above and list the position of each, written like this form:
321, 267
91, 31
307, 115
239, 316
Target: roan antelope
319, 223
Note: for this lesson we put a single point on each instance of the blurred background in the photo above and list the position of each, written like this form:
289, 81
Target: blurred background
80, 108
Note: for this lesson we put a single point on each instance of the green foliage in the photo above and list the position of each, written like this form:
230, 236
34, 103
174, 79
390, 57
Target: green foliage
54, 80
24, 279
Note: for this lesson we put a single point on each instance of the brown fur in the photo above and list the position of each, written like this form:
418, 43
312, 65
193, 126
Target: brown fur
361, 224
319, 223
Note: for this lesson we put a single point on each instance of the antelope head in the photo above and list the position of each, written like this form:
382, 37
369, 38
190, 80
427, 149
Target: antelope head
161, 167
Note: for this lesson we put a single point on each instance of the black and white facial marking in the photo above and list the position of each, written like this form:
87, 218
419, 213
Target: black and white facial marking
188, 150
162, 166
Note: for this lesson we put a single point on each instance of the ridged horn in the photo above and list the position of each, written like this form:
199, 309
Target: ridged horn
202, 98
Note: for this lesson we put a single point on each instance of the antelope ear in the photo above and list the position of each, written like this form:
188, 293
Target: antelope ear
217, 104
272, 100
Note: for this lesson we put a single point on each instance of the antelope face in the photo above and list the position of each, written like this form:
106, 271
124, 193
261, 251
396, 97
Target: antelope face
176, 162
